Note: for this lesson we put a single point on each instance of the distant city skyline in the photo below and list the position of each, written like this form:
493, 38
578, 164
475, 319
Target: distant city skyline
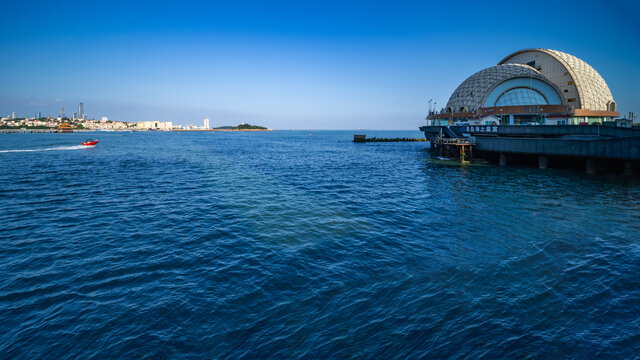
61, 113
330, 65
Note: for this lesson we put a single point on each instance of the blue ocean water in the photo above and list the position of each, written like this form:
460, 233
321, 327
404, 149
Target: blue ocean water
302, 244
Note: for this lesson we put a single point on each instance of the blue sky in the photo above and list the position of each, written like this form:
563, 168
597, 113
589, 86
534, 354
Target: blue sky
298, 64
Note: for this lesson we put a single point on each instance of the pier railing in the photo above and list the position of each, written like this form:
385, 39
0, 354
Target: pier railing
452, 141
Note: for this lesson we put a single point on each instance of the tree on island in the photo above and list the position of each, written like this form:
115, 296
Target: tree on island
241, 127
249, 127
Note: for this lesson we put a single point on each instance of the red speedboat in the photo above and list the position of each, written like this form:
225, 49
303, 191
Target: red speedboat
89, 142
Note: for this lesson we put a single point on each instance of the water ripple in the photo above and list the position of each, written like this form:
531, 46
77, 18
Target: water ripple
285, 245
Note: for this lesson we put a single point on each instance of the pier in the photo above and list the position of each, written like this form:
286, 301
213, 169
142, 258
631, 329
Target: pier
459, 148
594, 148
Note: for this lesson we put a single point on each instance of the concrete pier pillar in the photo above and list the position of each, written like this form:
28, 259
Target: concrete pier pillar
503, 159
543, 162
630, 168
591, 166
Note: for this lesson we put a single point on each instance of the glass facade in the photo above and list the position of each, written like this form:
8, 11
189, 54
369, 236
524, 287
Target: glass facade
521, 96
528, 119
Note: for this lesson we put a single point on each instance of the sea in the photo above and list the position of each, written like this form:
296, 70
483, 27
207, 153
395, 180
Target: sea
304, 245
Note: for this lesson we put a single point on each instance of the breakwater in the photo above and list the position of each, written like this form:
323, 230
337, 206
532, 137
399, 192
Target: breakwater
365, 139
34, 131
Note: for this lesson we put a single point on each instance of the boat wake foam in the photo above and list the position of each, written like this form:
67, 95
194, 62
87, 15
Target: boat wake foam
75, 147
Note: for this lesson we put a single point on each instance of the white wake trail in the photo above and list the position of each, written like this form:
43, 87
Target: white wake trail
75, 147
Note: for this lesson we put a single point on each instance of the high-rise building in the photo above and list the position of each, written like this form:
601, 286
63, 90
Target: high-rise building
61, 111
13, 115
206, 123
80, 110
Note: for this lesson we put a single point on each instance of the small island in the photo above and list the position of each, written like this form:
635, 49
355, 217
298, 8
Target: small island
241, 127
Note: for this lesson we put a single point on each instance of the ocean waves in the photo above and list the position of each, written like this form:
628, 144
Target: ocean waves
284, 245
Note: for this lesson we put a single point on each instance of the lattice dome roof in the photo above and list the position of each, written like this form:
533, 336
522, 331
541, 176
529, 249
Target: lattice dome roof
592, 89
472, 93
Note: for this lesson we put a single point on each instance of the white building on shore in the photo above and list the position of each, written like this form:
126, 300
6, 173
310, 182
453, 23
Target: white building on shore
155, 125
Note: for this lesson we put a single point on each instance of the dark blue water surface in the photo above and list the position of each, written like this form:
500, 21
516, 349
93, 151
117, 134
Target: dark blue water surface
302, 244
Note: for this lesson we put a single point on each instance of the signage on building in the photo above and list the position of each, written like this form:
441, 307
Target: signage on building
483, 129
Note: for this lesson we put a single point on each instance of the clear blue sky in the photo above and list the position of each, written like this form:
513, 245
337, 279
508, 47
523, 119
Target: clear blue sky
298, 64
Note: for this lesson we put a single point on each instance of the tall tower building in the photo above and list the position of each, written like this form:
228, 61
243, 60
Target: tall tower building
206, 123
61, 111
80, 110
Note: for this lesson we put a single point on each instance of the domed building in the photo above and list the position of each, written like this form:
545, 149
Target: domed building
533, 86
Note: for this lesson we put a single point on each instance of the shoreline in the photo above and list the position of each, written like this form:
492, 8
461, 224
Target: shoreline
51, 131
211, 130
